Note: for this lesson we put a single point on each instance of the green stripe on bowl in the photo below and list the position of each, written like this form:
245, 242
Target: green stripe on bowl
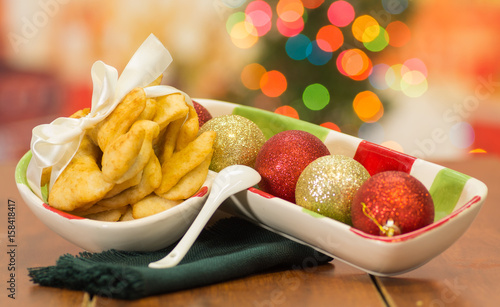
446, 190
312, 213
271, 123
21, 168
20, 174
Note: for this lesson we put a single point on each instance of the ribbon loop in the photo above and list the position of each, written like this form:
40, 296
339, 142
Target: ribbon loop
104, 79
56, 143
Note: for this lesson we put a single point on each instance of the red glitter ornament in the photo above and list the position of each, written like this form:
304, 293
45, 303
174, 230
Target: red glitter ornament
282, 159
203, 114
392, 203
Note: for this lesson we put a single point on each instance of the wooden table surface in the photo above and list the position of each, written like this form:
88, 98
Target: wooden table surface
466, 274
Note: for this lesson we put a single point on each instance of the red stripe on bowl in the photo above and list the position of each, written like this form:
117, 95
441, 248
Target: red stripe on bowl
201, 192
261, 193
376, 158
62, 213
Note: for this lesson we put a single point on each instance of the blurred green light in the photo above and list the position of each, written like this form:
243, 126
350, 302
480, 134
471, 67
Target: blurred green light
379, 43
233, 19
316, 97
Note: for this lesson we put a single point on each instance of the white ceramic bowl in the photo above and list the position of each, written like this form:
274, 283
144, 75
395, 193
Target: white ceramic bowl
146, 234
457, 200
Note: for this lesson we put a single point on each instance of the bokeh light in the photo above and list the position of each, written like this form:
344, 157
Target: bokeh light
331, 126
273, 83
393, 77
290, 10
399, 33
395, 6
368, 106
290, 29
414, 77
251, 75
372, 132
341, 13
316, 97
414, 64
259, 5
233, 19
312, 4
339, 63
365, 28
378, 43
259, 14
377, 77
462, 135
365, 74
244, 35
355, 64
409, 77
316, 55
329, 38
414, 84
298, 47
287, 111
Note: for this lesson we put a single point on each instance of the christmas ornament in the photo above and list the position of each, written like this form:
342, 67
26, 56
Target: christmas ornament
283, 158
328, 185
392, 203
238, 141
203, 114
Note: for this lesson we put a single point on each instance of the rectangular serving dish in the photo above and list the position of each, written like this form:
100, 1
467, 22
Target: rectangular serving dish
457, 200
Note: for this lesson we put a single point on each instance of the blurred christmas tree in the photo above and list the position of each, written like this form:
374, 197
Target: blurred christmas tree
317, 59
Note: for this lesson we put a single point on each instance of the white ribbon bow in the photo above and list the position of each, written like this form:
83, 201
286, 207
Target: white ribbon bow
56, 143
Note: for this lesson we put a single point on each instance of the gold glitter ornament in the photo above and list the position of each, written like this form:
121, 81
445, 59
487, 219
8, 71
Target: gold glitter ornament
238, 141
327, 186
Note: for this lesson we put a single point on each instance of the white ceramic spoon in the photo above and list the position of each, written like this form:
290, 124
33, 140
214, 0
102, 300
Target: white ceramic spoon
229, 181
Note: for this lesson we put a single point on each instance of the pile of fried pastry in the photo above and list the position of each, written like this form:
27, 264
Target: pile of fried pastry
145, 157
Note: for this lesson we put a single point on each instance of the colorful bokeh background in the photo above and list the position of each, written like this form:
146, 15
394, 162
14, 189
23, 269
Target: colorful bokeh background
320, 62
421, 77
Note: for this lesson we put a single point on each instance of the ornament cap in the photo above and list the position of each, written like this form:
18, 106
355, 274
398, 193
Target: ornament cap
390, 229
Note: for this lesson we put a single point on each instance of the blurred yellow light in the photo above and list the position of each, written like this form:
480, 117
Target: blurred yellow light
370, 33
393, 76
365, 28
244, 35
368, 107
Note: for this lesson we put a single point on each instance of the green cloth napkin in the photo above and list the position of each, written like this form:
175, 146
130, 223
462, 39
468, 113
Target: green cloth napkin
229, 249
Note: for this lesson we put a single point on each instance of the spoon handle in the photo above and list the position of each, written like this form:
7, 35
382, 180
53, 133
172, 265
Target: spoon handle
229, 181
181, 249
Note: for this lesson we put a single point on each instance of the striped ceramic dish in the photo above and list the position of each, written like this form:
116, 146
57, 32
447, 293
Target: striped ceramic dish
457, 200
